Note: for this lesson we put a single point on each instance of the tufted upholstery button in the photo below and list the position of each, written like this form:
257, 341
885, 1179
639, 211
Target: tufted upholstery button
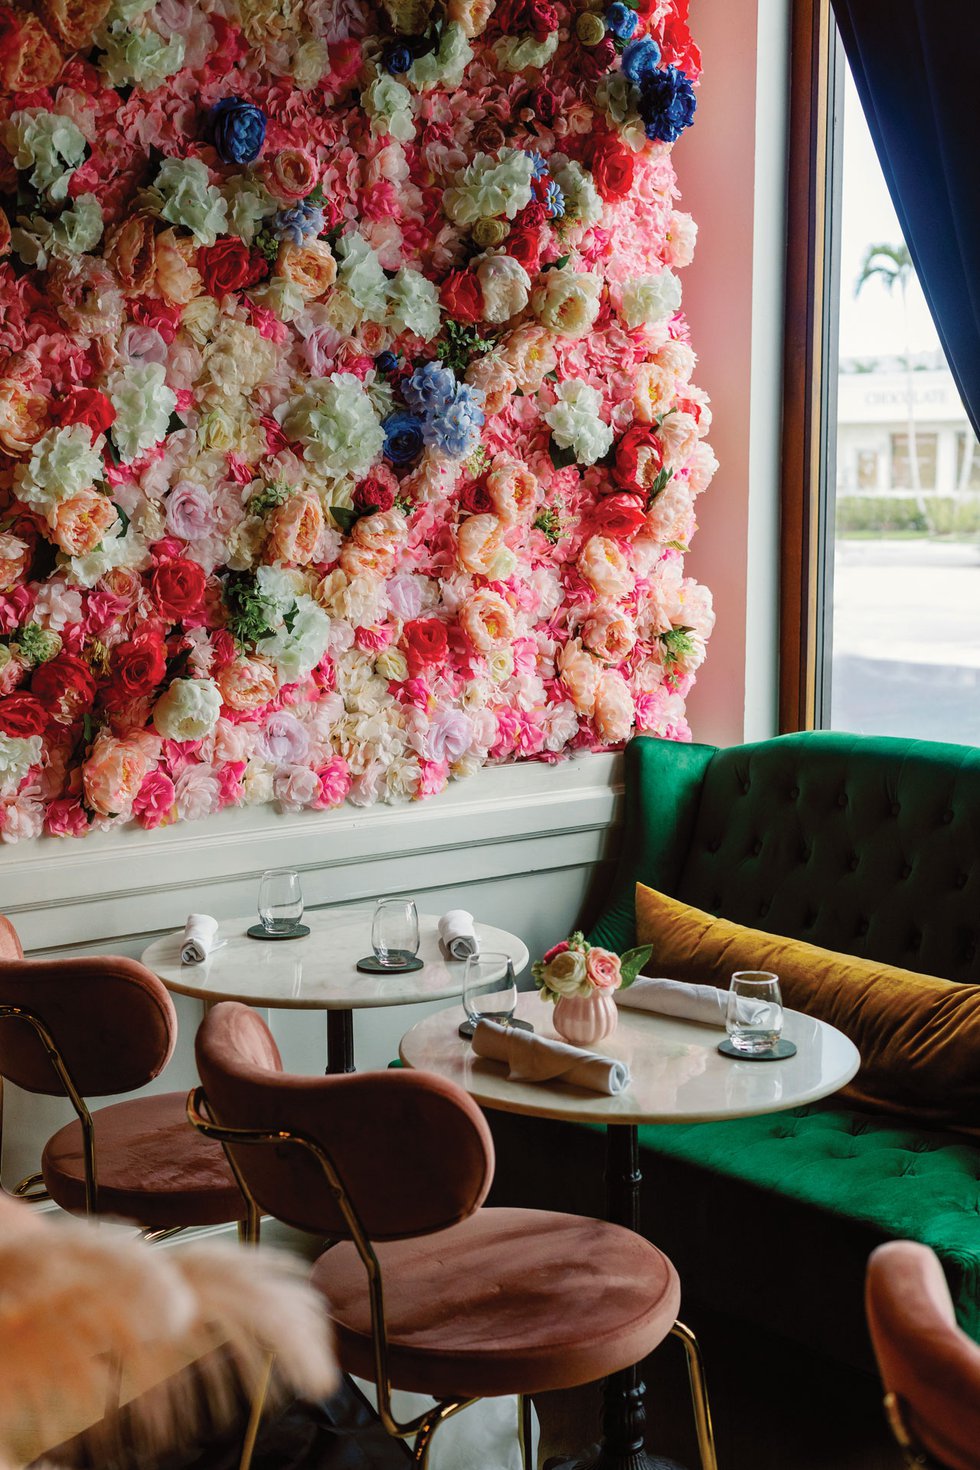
763, 908
714, 846
757, 847
906, 870
961, 880
861, 927
895, 808
811, 919
794, 793
842, 799
853, 862
915, 941
805, 852
746, 788
947, 817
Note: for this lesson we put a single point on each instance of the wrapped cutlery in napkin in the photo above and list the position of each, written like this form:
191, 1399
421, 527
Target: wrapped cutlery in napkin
688, 1002
457, 935
532, 1058
200, 939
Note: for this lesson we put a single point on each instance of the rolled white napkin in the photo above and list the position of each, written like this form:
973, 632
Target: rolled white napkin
532, 1058
200, 939
682, 998
457, 935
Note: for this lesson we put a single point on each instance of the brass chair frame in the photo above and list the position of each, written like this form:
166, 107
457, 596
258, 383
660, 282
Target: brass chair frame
914, 1456
425, 1425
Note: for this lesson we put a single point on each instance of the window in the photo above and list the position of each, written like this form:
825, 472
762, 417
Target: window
881, 574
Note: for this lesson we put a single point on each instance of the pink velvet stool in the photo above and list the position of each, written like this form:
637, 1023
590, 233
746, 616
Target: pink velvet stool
97, 1027
930, 1368
428, 1291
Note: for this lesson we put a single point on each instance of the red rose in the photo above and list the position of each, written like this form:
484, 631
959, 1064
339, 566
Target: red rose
138, 666
619, 515
22, 715
544, 104
461, 296
518, 17
148, 311
177, 587
372, 495
65, 687
639, 459
532, 214
525, 247
425, 643
85, 406
229, 266
474, 498
596, 60
612, 168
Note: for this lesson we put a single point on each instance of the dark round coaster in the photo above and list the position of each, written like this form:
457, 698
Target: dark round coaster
258, 931
371, 966
467, 1028
779, 1052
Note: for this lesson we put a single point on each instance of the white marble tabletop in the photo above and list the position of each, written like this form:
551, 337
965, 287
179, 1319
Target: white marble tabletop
318, 973
677, 1073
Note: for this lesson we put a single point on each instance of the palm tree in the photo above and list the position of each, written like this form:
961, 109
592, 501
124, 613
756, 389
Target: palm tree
892, 266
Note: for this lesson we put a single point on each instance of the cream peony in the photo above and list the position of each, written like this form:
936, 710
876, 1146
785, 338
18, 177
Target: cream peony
567, 302
188, 709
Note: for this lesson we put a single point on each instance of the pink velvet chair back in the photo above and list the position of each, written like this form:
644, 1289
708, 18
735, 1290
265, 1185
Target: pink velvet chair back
931, 1366
110, 1018
414, 1152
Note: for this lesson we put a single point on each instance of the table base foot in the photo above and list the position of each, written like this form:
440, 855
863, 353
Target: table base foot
601, 1457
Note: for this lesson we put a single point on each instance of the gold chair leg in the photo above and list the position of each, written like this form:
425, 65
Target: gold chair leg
31, 1189
699, 1396
255, 1415
250, 1228
153, 1236
423, 1441
526, 1431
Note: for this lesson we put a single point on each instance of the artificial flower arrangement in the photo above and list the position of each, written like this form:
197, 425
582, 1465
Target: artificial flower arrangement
576, 968
348, 438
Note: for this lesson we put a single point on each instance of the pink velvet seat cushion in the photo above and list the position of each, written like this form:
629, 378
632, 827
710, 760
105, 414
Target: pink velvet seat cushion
508, 1301
152, 1166
924, 1357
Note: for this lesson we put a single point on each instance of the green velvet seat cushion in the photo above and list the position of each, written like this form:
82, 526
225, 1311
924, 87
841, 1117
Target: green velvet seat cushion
898, 1182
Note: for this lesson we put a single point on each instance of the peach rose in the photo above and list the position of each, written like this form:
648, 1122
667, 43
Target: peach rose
113, 774
131, 252
358, 560
470, 15
23, 416
15, 557
386, 530
480, 544
605, 568
610, 634
603, 969
653, 388
487, 620
293, 173
247, 683
682, 233
311, 268
671, 514
73, 21
579, 672
495, 381
512, 489
530, 354
294, 529
679, 438
614, 709
30, 57
80, 523
178, 280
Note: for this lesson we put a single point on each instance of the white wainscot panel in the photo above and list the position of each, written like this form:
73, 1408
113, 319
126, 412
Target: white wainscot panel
523, 847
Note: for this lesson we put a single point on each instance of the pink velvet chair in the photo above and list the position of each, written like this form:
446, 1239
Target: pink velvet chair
930, 1368
428, 1291
98, 1027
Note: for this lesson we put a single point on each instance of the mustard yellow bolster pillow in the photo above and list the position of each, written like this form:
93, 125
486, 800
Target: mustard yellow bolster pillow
918, 1035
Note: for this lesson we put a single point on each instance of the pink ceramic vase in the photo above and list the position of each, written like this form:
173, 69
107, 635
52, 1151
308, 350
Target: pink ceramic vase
585, 1019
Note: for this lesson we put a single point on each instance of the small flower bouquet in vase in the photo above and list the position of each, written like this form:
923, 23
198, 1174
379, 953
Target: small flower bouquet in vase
580, 978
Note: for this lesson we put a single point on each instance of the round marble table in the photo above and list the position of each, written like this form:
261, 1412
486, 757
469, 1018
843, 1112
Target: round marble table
319, 973
677, 1076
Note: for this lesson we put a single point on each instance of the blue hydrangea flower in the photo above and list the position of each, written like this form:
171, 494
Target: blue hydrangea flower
297, 223
398, 58
554, 200
238, 130
430, 389
622, 21
539, 164
640, 59
403, 437
667, 104
386, 362
456, 429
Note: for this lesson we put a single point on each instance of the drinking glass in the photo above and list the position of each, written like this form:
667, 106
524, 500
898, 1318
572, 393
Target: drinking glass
755, 1011
489, 990
280, 900
395, 932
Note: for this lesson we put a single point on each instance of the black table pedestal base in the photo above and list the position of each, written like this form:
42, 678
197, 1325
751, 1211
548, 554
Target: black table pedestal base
602, 1458
340, 1042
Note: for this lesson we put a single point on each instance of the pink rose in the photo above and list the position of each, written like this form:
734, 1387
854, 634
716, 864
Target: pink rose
65, 817
113, 774
603, 969
154, 803
555, 949
335, 781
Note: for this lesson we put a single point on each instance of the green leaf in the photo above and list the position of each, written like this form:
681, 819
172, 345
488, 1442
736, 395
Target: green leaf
659, 485
561, 458
123, 517
345, 516
111, 449
632, 962
175, 424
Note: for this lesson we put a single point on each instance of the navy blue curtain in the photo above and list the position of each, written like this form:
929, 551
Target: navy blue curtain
916, 64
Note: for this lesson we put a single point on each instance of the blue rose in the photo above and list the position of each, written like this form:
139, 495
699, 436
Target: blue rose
398, 58
640, 59
622, 21
238, 130
386, 362
298, 222
430, 388
403, 437
455, 429
667, 104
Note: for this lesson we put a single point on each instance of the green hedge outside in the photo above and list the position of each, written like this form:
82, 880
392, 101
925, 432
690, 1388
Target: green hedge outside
933, 515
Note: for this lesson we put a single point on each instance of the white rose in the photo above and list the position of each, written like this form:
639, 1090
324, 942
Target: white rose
490, 186
188, 710
506, 287
648, 300
567, 302
575, 423
565, 974
295, 788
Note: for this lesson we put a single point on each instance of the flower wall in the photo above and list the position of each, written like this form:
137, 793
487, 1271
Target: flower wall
348, 441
